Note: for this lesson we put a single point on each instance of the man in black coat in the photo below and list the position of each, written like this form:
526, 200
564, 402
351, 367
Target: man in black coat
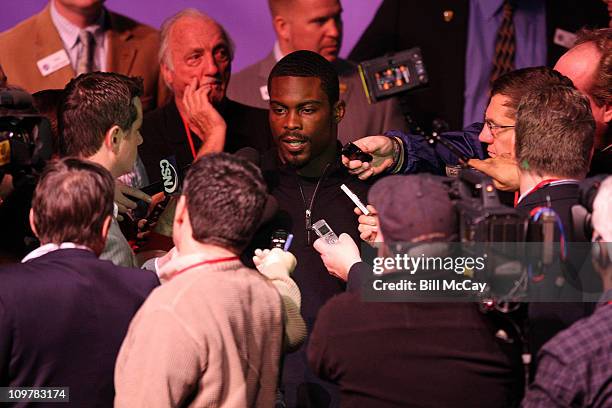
196, 64
426, 352
64, 312
304, 173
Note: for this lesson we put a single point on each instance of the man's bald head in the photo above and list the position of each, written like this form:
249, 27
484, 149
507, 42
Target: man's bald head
313, 25
589, 65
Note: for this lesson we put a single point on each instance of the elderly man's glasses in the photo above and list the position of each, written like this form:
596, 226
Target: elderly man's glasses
494, 129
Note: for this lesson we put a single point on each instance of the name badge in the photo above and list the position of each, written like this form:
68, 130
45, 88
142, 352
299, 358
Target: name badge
263, 90
564, 38
53, 62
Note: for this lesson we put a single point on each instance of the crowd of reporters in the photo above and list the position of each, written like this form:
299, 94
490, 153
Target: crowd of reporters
183, 296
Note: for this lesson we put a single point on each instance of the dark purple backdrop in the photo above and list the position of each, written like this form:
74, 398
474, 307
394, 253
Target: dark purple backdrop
247, 21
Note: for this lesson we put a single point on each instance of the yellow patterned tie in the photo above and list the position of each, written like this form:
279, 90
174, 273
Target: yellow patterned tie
505, 44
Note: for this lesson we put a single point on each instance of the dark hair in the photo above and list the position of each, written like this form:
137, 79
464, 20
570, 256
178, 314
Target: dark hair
308, 64
93, 103
554, 132
71, 202
601, 88
225, 199
516, 84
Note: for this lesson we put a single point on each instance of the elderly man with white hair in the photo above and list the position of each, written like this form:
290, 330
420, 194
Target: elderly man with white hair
195, 61
575, 366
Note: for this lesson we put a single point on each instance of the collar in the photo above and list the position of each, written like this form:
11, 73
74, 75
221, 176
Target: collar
179, 263
45, 249
543, 184
276, 51
69, 33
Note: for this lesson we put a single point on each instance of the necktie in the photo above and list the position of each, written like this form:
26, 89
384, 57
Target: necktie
503, 60
85, 63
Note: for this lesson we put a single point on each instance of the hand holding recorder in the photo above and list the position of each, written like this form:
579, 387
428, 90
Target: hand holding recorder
381, 148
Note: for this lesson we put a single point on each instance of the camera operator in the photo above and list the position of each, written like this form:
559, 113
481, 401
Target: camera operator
414, 345
496, 134
554, 144
575, 366
587, 65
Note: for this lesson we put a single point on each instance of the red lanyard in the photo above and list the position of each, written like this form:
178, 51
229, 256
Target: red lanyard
209, 262
189, 137
538, 186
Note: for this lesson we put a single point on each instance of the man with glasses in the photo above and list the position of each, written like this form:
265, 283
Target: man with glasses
405, 153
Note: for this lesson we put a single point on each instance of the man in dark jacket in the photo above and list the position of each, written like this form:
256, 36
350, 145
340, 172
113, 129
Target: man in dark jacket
304, 173
427, 353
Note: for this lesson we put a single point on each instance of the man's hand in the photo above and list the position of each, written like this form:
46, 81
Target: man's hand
368, 224
381, 149
339, 257
123, 203
203, 118
274, 262
503, 170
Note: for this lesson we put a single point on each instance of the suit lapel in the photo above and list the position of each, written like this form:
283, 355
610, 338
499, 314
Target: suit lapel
265, 66
121, 52
48, 41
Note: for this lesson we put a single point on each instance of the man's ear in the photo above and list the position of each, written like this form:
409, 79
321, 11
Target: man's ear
112, 138
282, 28
32, 223
607, 113
106, 227
181, 217
339, 110
166, 74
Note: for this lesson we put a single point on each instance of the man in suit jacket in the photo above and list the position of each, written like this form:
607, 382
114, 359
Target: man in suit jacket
457, 40
105, 130
64, 312
317, 26
42, 52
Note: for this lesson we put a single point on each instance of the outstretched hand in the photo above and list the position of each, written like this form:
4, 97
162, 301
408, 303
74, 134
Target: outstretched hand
380, 147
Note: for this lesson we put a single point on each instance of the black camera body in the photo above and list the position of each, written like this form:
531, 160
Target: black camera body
482, 217
25, 137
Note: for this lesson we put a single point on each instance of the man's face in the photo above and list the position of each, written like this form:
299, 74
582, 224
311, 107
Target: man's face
130, 140
500, 140
199, 50
315, 25
579, 64
301, 119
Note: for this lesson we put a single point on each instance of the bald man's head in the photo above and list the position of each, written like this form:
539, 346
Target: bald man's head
589, 65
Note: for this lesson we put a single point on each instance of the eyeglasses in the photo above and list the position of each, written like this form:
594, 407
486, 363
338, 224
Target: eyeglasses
494, 128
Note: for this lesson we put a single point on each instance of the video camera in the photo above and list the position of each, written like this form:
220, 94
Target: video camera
390, 75
25, 137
